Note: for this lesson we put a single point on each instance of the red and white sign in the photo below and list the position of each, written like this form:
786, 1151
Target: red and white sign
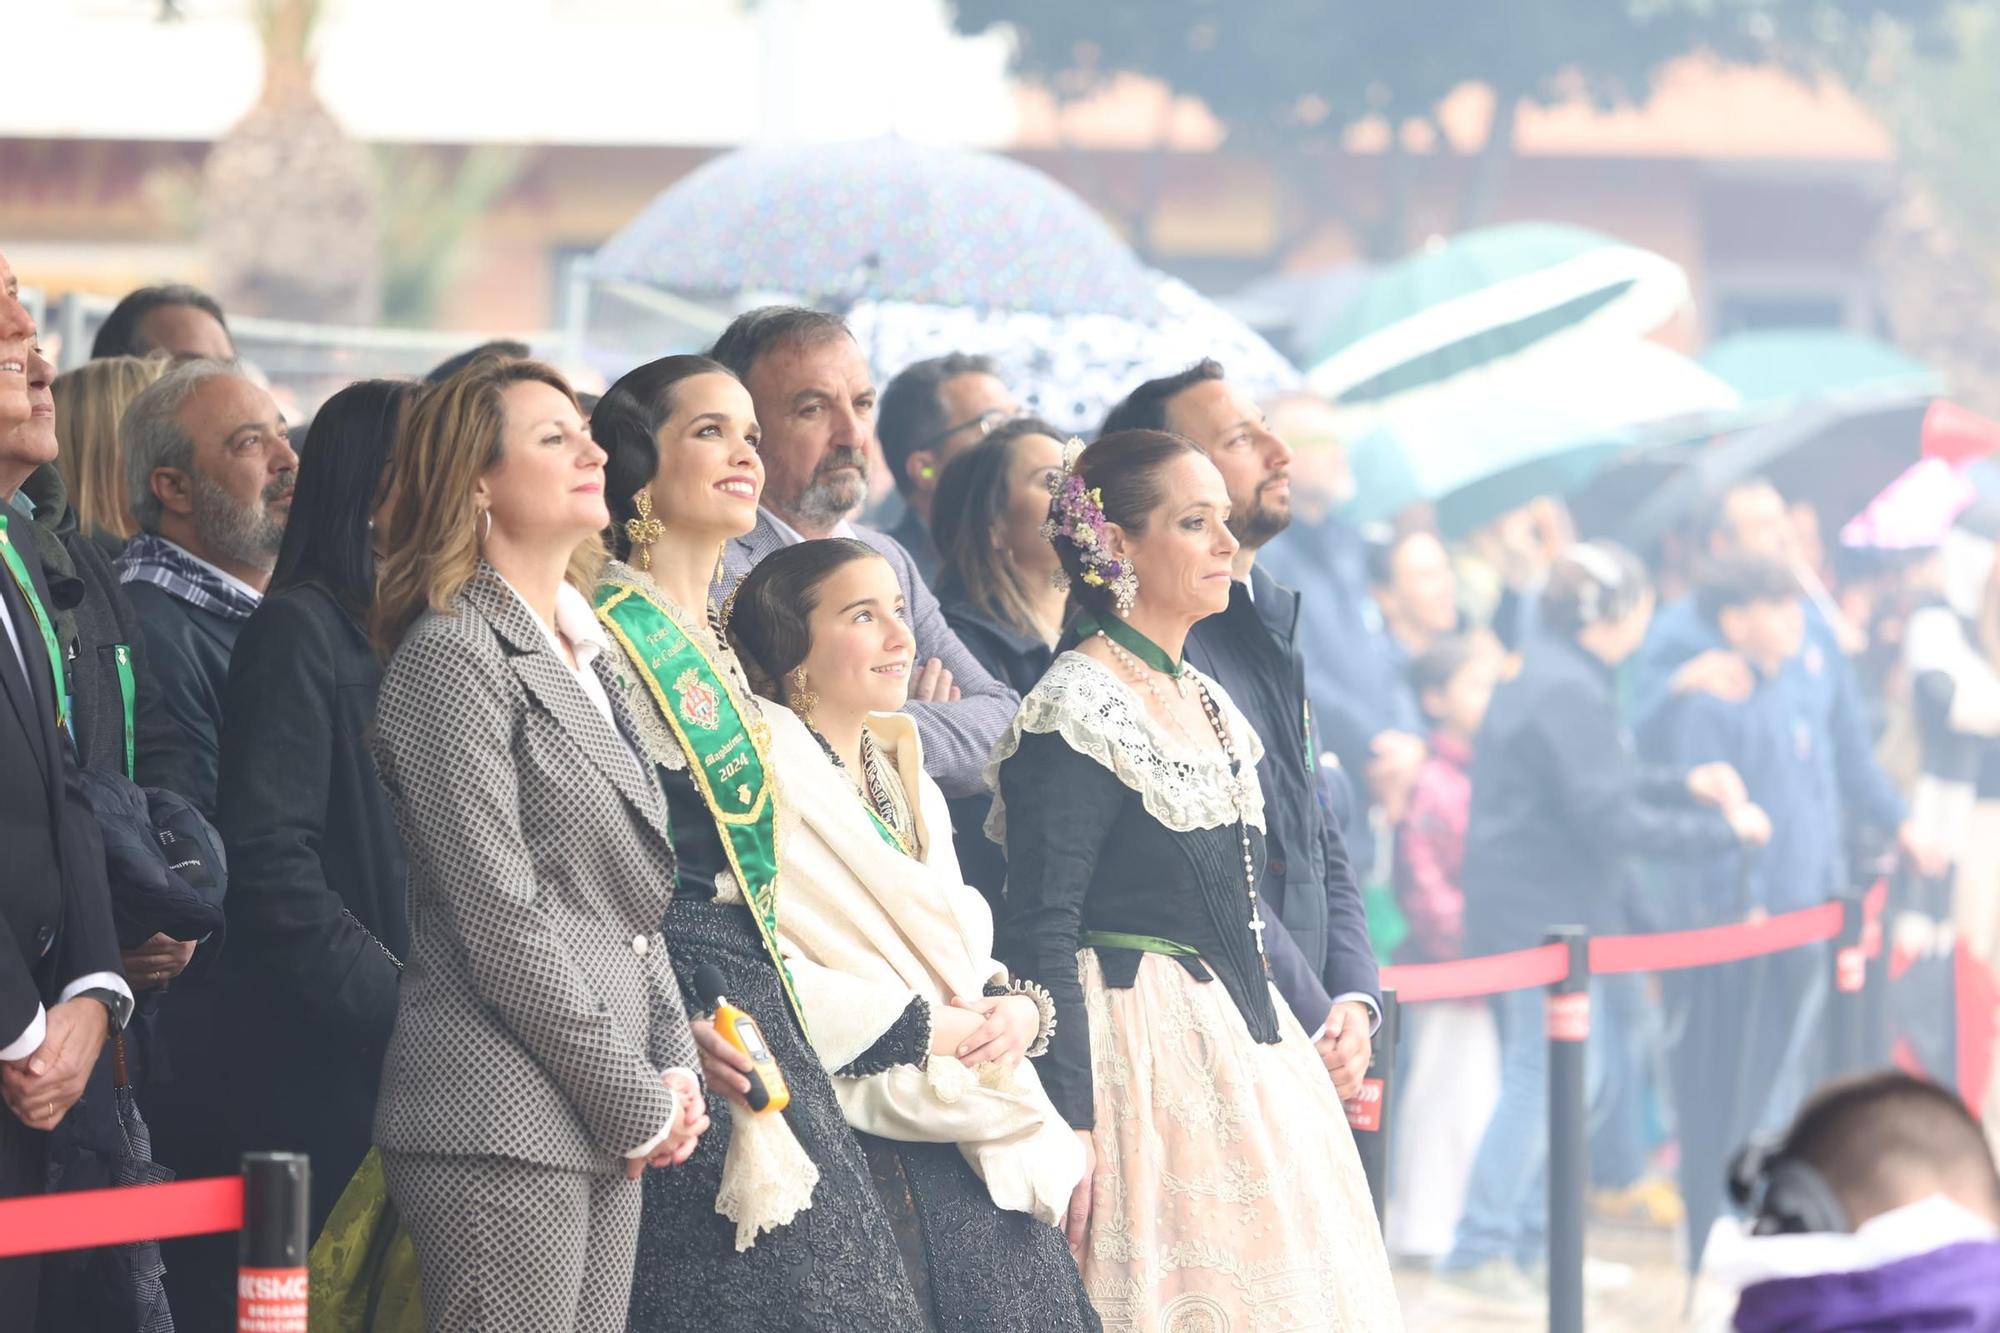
1364, 1109
1569, 1017
271, 1300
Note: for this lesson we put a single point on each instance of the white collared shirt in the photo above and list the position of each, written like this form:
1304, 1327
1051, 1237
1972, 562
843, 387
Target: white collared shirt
792, 536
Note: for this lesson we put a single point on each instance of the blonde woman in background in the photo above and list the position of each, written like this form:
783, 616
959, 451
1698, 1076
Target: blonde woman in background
90, 400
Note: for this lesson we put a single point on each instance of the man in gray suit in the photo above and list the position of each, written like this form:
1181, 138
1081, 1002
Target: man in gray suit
815, 401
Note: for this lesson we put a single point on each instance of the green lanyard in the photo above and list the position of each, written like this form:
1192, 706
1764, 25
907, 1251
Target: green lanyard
12, 558
127, 693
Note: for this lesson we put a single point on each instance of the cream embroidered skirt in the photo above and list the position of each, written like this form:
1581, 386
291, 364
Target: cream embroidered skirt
1228, 1196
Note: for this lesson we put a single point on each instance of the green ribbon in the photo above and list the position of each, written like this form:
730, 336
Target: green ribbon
12, 558
128, 693
1132, 641
726, 753
1118, 939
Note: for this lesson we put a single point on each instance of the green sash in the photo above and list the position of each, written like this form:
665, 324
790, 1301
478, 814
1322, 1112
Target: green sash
889, 835
726, 752
12, 558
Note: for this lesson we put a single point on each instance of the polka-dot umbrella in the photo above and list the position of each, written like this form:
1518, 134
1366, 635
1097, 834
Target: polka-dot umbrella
929, 250
883, 220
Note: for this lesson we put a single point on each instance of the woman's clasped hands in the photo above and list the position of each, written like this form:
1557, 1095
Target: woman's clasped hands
690, 1123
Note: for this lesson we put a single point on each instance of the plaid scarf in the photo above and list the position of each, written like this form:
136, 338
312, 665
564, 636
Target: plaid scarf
151, 559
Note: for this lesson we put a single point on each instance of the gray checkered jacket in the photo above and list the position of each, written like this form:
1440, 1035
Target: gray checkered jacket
537, 1006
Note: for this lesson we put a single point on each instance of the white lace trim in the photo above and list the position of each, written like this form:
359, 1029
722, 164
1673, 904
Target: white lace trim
1100, 717
767, 1179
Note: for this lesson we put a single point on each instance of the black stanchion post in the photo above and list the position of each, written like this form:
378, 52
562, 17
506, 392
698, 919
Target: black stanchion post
1569, 1130
1874, 1050
271, 1251
1370, 1114
1845, 1018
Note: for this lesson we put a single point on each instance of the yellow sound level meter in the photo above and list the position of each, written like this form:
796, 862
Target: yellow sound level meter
767, 1085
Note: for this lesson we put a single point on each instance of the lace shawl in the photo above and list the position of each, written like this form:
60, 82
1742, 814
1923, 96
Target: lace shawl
1101, 717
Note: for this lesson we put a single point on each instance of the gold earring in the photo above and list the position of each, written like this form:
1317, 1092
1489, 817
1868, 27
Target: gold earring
721, 563
803, 700
644, 530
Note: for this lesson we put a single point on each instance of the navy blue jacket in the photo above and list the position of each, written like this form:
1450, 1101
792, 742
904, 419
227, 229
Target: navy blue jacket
1769, 739
1353, 675
1842, 758
1559, 802
1322, 952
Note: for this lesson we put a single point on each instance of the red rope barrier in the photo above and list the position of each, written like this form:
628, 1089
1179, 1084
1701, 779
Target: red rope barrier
1671, 951
1473, 977
1663, 951
90, 1218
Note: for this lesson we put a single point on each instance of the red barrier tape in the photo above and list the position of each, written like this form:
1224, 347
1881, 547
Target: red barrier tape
1474, 977
1666, 951
90, 1218
1671, 951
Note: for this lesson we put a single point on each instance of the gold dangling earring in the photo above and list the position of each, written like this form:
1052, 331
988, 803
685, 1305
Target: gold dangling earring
644, 530
721, 563
485, 526
803, 700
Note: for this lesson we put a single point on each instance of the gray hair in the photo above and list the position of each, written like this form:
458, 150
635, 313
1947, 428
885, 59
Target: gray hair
151, 437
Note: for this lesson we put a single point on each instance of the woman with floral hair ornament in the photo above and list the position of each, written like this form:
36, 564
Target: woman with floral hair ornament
1224, 1190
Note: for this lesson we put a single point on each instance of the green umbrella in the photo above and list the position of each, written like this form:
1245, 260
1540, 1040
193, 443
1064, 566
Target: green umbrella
1477, 465
1778, 367
1482, 297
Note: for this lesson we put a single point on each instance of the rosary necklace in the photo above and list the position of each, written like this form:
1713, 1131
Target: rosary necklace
1238, 782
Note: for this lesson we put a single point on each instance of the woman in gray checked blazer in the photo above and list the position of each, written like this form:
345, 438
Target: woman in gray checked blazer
541, 1056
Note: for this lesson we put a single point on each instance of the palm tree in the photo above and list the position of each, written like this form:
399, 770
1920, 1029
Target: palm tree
289, 203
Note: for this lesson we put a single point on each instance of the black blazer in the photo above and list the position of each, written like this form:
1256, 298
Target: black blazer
1252, 649
180, 708
1020, 660
316, 881
55, 911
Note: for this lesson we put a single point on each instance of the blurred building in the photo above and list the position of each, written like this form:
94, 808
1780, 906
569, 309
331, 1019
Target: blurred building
1769, 192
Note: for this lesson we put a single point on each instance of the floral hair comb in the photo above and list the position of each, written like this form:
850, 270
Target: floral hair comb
1076, 515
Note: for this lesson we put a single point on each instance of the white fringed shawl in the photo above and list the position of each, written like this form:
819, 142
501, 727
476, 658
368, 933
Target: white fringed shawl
866, 929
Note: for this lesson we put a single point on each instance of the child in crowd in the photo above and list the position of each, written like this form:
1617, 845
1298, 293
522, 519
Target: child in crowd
1453, 1073
1761, 1016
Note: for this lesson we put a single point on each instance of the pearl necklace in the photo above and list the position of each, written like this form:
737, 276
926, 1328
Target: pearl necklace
1238, 783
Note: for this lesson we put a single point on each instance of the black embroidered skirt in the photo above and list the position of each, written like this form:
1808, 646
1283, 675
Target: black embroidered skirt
835, 1265
978, 1268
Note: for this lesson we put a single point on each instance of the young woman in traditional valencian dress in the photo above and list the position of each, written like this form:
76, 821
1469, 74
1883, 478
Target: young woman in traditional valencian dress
773, 1223
892, 951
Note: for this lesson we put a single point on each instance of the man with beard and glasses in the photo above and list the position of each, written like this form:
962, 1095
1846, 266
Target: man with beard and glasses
210, 472
815, 401
1321, 960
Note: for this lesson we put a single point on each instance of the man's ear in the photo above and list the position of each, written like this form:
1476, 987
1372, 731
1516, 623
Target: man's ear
920, 469
174, 489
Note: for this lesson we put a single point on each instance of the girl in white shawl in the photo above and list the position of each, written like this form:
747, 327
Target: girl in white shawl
891, 953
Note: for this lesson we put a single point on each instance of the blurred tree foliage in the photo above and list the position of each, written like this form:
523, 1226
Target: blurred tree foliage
431, 200
1939, 249
1293, 76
